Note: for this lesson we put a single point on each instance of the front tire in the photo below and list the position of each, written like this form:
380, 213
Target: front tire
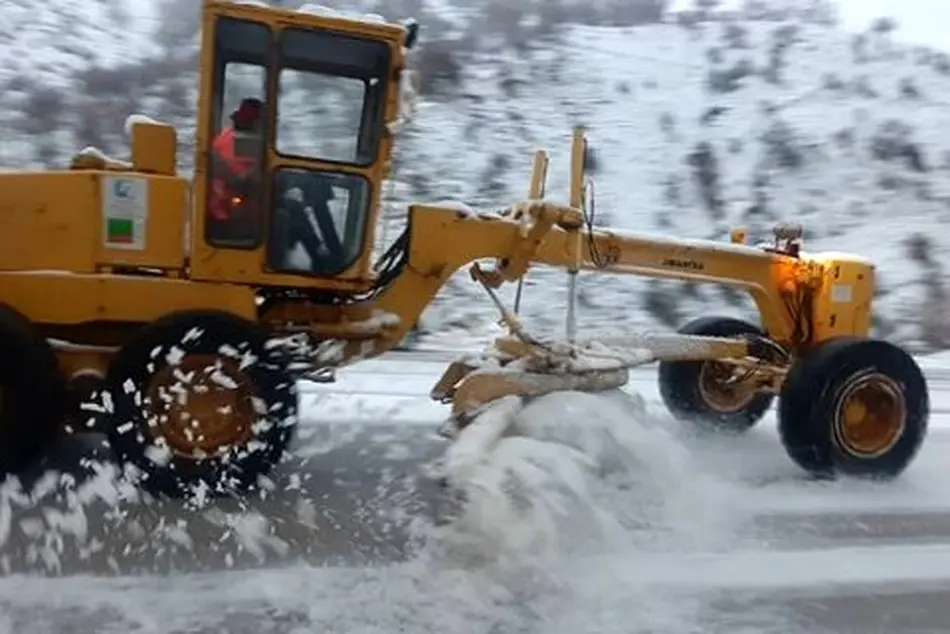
694, 391
855, 407
200, 402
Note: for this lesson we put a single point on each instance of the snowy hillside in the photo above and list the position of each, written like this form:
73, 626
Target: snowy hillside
696, 125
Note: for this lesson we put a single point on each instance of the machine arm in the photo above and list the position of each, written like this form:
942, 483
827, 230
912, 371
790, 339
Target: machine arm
539, 232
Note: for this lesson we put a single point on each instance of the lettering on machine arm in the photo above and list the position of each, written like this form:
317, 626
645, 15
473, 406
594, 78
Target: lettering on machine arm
679, 263
124, 212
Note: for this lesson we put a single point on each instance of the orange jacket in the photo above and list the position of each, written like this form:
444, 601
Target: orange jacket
220, 205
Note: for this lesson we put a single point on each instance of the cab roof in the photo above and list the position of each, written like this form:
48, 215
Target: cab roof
313, 16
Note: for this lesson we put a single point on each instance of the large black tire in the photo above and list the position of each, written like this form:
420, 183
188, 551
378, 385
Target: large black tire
681, 383
32, 393
142, 427
812, 421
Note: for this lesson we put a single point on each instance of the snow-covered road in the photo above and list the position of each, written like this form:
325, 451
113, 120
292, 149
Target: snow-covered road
707, 535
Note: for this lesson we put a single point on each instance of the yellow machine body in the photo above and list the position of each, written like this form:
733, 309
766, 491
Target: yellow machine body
124, 283
97, 249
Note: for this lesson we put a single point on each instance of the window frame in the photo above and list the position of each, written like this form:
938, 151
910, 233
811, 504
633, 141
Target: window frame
229, 49
362, 185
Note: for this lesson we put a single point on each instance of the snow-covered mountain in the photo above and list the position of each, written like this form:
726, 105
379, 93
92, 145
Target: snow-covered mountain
696, 124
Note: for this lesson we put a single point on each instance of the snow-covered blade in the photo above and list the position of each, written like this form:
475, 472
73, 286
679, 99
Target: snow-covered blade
524, 368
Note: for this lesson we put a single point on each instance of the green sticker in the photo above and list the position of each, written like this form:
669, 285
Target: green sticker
121, 230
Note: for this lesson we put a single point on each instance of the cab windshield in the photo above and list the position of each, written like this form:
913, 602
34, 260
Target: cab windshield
331, 95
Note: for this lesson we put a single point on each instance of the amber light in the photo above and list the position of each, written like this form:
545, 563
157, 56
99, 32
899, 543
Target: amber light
787, 275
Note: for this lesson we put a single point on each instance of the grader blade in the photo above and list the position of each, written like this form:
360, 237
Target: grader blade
486, 400
514, 369
522, 366
479, 388
453, 375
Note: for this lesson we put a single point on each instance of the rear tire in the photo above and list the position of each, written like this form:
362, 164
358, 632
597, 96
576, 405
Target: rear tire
683, 384
854, 407
32, 393
219, 438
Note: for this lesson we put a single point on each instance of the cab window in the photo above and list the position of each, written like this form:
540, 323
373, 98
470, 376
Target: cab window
234, 211
331, 96
319, 221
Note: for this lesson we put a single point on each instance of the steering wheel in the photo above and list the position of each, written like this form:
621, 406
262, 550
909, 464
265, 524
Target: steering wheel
301, 230
331, 238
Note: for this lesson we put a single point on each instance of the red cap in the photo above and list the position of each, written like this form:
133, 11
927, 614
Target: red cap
248, 112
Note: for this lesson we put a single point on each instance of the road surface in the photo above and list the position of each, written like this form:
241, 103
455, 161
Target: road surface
719, 535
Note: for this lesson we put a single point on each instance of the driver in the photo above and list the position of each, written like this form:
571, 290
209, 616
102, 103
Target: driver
235, 153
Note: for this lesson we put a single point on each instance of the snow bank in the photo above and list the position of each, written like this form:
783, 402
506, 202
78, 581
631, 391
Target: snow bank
579, 472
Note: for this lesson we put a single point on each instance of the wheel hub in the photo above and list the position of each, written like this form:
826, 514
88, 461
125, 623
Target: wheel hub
202, 406
871, 416
721, 391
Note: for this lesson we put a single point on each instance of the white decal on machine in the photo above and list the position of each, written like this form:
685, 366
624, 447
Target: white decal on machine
124, 212
841, 293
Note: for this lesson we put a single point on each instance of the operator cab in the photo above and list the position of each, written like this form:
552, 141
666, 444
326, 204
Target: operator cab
296, 143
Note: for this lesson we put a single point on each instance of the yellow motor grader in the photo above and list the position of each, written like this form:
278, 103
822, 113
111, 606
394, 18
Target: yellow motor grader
195, 305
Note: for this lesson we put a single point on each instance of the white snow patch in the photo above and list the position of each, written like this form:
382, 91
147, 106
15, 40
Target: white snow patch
578, 471
134, 119
577, 476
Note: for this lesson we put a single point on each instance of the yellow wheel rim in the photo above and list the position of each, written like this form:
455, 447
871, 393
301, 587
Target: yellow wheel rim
871, 416
203, 406
719, 393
